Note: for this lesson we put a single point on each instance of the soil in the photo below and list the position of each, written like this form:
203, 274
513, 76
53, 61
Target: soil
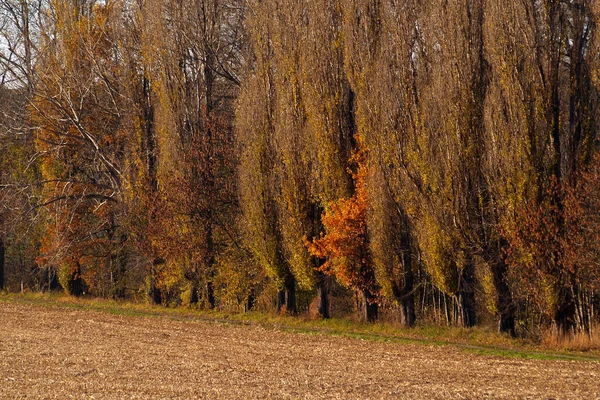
57, 353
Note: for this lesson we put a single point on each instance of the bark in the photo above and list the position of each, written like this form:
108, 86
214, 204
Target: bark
403, 292
250, 300
504, 301
281, 294
149, 140
117, 264
407, 310
315, 212
2, 263
210, 265
210, 179
154, 294
210, 295
193, 299
370, 307
290, 295
280, 300
148, 148
476, 185
77, 284
407, 298
122, 271
27, 47
565, 313
323, 296
466, 295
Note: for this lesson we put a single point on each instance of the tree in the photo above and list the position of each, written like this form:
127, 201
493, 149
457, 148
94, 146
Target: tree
542, 102
327, 139
345, 244
257, 184
380, 37
311, 128
19, 26
192, 79
79, 112
21, 22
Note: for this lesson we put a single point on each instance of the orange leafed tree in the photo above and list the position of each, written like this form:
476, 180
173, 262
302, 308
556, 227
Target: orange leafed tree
345, 245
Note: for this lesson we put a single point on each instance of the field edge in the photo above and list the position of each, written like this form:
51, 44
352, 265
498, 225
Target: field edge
471, 340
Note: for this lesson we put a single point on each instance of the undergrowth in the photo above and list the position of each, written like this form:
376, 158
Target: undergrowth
574, 341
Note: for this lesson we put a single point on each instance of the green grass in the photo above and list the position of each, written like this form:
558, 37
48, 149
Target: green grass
479, 340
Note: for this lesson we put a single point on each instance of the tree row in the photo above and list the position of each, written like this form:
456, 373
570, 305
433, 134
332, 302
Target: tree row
404, 160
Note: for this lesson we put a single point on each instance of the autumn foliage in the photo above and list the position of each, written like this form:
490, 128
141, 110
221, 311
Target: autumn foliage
406, 160
345, 244
553, 252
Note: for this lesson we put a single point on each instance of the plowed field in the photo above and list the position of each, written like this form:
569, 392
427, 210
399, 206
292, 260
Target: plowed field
54, 352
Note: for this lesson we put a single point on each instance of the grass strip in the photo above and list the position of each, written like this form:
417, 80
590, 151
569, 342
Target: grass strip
472, 340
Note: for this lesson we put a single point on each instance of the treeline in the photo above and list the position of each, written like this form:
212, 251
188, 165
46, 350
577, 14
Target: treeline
402, 159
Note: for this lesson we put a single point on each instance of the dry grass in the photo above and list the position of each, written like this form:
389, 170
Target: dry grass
54, 352
579, 341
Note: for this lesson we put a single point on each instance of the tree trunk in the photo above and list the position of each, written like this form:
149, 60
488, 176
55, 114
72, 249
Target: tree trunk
370, 307
210, 179
77, 285
564, 315
118, 266
481, 208
209, 262
210, 294
407, 297
315, 212
148, 145
122, 260
466, 295
154, 294
323, 296
149, 140
193, 299
407, 311
2, 263
250, 301
504, 301
52, 277
404, 295
290, 295
280, 300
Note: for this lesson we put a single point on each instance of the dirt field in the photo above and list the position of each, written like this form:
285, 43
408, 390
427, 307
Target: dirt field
60, 353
